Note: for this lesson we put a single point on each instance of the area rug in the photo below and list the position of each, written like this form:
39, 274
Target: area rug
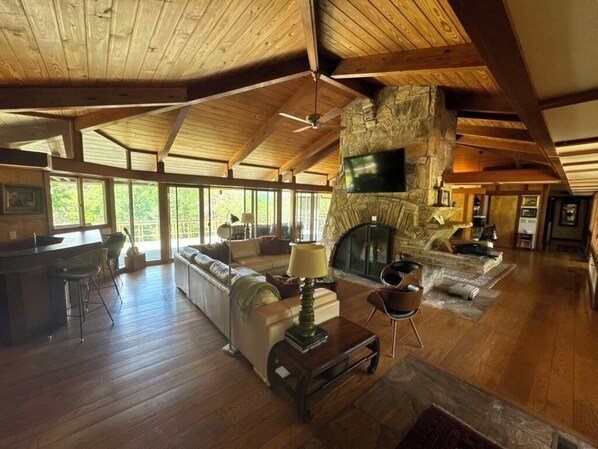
439, 298
383, 415
487, 280
436, 428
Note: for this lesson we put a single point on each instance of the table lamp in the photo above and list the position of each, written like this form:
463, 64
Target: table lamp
247, 218
308, 260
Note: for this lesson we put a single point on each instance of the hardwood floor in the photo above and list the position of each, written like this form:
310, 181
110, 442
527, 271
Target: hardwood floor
158, 378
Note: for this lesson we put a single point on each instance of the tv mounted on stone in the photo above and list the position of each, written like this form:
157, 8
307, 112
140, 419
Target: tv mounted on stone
376, 172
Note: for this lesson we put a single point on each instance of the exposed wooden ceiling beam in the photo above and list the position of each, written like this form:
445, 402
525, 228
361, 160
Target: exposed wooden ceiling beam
115, 141
490, 131
315, 159
453, 57
569, 99
495, 117
593, 152
570, 143
478, 103
25, 98
499, 48
113, 116
523, 176
79, 167
498, 144
354, 87
247, 80
270, 125
173, 131
309, 21
325, 141
517, 156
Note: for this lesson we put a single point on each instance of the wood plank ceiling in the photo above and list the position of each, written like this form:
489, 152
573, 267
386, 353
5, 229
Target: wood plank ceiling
195, 87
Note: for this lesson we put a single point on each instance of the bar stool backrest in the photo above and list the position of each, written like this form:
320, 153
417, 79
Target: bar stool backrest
93, 258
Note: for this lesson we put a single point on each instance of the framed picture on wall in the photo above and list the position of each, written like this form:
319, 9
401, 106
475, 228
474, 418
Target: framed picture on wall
530, 201
22, 200
569, 213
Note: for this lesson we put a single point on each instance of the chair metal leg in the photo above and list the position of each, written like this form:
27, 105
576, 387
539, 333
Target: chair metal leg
81, 312
370, 317
114, 281
416, 333
394, 338
102, 298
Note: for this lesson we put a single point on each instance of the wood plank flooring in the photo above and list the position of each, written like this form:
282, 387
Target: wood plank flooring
158, 377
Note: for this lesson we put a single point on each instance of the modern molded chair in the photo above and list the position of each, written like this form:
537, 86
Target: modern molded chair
402, 273
81, 270
397, 304
114, 243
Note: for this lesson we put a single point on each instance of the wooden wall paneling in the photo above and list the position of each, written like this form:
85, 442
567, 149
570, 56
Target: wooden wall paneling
503, 212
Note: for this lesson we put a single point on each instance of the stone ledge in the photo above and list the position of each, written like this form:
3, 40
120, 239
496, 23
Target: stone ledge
455, 262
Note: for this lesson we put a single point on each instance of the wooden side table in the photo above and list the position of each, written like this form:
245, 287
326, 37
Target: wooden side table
314, 370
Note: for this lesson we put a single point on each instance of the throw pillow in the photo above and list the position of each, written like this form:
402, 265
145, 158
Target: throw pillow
268, 247
287, 287
204, 261
220, 270
284, 246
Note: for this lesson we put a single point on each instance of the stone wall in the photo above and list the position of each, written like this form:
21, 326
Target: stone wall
413, 118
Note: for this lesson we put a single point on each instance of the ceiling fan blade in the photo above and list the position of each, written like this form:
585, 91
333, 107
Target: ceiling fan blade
305, 128
331, 126
292, 117
333, 113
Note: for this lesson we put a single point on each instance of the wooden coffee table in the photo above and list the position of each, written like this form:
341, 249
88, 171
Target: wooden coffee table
314, 370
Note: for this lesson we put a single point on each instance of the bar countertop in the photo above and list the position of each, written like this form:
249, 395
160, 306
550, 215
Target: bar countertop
46, 250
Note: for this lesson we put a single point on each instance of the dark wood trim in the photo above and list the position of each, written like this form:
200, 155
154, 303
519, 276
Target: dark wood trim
568, 99
247, 80
25, 98
523, 176
478, 103
584, 141
112, 116
69, 166
495, 117
499, 144
451, 57
498, 133
542, 218
499, 48
164, 222
354, 87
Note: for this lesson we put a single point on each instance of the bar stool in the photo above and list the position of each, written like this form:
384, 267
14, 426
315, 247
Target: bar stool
81, 270
114, 243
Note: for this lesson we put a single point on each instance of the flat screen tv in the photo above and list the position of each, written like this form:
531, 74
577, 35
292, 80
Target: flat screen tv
376, 172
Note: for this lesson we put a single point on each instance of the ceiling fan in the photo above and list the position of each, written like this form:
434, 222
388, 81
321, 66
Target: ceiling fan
315, 120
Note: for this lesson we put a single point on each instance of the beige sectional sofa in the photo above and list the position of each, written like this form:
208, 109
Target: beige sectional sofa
205, 282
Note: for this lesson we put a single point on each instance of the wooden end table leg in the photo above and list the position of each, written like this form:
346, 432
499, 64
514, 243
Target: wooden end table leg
301, 399
374, 346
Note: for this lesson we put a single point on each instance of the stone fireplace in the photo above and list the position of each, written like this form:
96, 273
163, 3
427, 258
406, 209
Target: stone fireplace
414, 118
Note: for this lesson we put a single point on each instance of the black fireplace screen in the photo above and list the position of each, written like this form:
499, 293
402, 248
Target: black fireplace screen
364, 251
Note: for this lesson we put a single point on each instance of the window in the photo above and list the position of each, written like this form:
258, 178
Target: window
78, 202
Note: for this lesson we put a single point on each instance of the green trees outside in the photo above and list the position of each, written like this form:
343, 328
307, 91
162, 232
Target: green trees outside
66, 201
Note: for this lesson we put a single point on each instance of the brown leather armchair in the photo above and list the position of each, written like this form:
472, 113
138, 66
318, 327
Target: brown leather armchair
397, 304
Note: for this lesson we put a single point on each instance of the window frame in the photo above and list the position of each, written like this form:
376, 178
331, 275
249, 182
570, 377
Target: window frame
81, 205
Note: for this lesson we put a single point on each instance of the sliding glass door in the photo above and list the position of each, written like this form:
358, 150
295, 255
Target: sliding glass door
185, 217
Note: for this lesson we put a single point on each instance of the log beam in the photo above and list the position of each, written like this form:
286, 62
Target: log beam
523, 176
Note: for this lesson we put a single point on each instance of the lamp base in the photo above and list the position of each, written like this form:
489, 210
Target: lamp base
304, 344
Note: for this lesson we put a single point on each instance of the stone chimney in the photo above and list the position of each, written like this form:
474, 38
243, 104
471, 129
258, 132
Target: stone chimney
414, 118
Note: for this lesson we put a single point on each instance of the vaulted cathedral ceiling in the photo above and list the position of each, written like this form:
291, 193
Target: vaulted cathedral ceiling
196, 87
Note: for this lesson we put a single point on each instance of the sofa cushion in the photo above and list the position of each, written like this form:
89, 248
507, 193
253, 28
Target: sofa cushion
280, 260
204, 261
287, 287
221, 271
188, 253
244, 248
258, 263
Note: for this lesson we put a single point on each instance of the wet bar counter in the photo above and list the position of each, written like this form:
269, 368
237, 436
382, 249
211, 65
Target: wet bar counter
29, 294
